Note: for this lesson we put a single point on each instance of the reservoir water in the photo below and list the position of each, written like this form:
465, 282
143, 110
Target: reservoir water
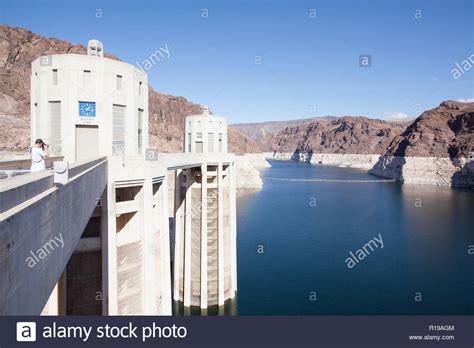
295, 237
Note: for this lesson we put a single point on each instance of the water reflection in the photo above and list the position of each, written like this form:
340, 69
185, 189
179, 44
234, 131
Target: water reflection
435, 215
229, 308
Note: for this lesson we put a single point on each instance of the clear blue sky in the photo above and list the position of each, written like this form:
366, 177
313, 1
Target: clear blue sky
309, 65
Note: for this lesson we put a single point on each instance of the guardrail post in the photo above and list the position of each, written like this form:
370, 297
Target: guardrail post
61, 172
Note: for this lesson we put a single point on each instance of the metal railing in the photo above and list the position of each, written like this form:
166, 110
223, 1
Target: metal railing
10, 169
21, 188
5, 174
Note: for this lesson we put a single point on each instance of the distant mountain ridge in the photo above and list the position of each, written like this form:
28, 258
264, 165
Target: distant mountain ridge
444, 131
329, 134
260, 130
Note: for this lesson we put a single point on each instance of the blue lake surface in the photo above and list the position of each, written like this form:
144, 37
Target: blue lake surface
307, 230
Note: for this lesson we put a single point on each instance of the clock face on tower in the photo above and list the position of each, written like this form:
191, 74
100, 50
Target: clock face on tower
87, 109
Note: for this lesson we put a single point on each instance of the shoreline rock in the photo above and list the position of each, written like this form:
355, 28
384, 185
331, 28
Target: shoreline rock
278, 156
356, 161
438, 171
465, 177
247, 171
257, 160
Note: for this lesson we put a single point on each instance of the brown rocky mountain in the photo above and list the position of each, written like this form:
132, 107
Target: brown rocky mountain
433, 149
445, 131
19, 47
348, 134
262, 130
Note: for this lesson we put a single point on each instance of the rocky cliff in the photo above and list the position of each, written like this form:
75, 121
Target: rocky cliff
262, 132
341, 135
248, 169
445, 131
434, 149
350, 141
19, 47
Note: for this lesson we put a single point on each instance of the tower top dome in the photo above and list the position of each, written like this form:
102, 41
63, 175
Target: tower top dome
95, 48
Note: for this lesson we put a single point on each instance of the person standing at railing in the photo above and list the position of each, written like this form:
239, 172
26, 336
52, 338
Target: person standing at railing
38, 154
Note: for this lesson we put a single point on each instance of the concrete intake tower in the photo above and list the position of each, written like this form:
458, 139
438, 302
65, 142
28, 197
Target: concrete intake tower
205, 270
90, 234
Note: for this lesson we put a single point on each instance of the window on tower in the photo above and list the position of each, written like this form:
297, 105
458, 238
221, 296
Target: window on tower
118, 131
118, 82
55, 77
140, 130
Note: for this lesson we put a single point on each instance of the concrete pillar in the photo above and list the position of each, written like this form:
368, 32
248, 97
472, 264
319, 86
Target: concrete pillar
220, 235
62, 294
233, 227
187, 239
165, 271
204, 235
56, 304
109, 253
223, 208
178, 235
51, 307
148, 229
